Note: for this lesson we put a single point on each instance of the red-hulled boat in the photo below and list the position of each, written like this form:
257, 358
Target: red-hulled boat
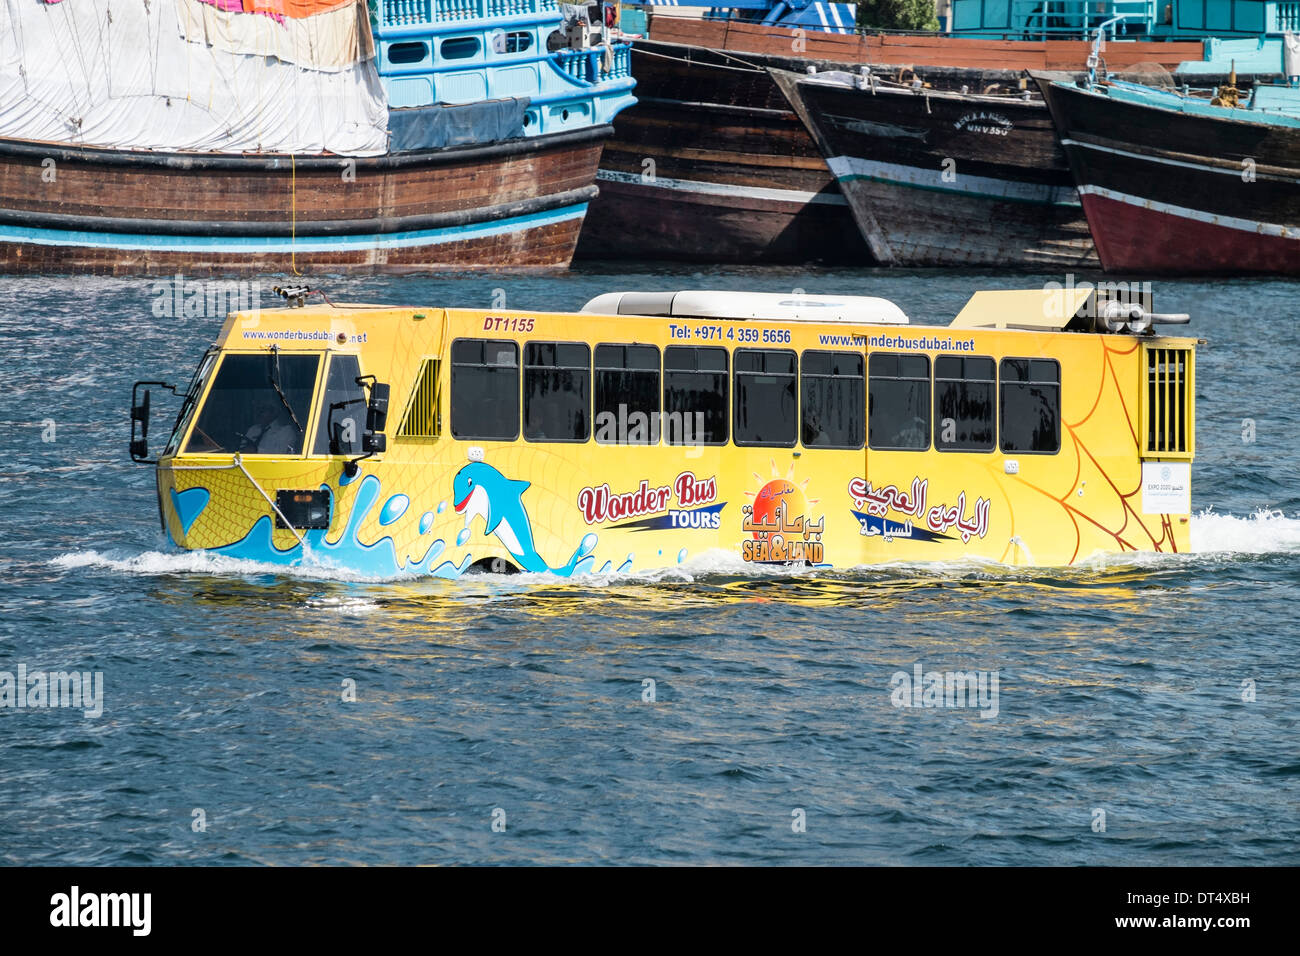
1174, 184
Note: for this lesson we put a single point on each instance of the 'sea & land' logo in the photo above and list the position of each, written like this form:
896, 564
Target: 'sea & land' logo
781, 528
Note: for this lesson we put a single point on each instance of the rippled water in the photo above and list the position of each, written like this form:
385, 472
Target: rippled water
1121, 682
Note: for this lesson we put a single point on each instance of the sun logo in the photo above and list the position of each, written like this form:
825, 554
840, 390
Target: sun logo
782, 532
779, 493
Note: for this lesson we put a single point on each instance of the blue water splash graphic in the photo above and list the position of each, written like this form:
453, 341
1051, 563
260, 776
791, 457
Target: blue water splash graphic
393, 509
379, 558
189, 505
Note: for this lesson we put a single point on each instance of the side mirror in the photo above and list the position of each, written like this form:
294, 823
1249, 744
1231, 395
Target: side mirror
140, 405
373, 440
140, 413
377, 408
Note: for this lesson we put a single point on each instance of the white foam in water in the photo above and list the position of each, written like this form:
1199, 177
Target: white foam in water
202, 562
1264, 532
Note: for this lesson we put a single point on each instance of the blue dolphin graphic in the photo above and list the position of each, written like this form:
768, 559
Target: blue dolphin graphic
479, 489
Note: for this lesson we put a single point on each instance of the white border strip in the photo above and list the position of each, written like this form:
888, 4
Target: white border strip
1228, 222
855, 167
722, 189
1181, 164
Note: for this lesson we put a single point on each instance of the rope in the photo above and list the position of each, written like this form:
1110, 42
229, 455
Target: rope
238, 462
252, 481
293, 207
749, 67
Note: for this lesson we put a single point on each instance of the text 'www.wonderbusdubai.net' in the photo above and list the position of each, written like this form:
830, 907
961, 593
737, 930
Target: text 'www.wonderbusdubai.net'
924, 342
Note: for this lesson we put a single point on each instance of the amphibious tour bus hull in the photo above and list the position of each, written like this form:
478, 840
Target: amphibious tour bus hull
479, 471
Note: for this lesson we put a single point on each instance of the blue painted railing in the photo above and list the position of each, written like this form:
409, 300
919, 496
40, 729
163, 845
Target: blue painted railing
588, 65
397, 13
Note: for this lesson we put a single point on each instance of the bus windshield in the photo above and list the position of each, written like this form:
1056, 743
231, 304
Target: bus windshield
258, 405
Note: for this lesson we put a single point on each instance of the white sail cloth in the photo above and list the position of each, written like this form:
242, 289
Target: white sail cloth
119, 73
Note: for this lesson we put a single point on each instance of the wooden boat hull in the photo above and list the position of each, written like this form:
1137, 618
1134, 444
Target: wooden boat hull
914, 50
712, 165
1168, 192
949, 179
512, 205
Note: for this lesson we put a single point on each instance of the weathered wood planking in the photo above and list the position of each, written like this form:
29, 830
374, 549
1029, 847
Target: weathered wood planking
155, 200
915, 50
948, 179
712, 165
1171, 192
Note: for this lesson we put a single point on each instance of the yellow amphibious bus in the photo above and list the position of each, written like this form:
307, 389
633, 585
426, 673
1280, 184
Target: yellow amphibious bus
1039, 427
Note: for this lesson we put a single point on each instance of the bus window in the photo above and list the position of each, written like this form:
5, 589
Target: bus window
627, 394
1031, 405
963, 403
765, 411
898, 393
557, 391
834, 400
190, 404
342, 416
484, 390
258, 405
695, 395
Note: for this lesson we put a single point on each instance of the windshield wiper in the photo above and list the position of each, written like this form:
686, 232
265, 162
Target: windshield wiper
275, 383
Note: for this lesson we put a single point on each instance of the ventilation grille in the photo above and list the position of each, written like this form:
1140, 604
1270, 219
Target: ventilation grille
423, 417
1169, 397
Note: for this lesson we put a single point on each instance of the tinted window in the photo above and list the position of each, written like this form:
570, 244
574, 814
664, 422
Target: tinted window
695, 395
963, 403
898, 415
557, 391
485, 389
834, 400
458, 48
627, 394
342, 416
245, 413
766, 412
1031, 405
407, 52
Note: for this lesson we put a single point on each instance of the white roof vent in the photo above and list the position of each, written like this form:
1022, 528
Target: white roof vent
792, 307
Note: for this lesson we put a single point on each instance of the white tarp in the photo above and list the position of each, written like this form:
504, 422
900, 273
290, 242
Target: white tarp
332, 40
118, 73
